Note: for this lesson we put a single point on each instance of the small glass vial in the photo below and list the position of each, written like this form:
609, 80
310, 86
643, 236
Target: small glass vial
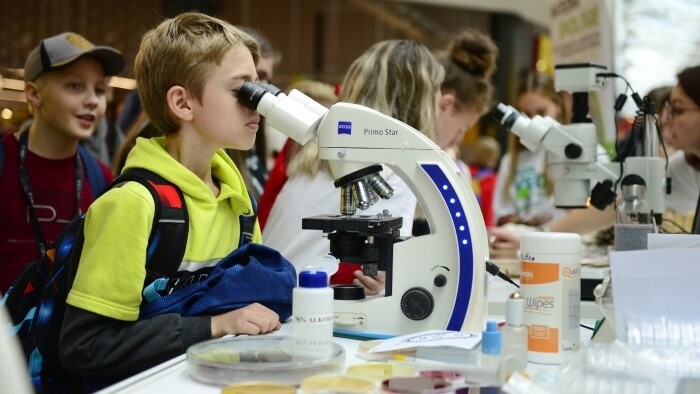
633, 208
312, 307
514, 333
634, 215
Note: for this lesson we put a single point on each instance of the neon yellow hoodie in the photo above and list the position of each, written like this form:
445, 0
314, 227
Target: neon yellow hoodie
111, 273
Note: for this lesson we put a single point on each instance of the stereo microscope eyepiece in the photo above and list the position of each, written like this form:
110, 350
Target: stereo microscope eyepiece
505, 115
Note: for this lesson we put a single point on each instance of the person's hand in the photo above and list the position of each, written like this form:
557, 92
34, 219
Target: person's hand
372, 285
252, 319
502, 238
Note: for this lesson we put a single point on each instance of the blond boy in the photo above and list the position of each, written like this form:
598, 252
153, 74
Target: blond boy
188, 70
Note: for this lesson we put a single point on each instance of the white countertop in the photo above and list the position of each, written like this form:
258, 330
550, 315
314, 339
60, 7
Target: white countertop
173, 377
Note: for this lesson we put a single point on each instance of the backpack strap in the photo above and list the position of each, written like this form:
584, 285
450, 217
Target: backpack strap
168, 238
247, 223
96, 177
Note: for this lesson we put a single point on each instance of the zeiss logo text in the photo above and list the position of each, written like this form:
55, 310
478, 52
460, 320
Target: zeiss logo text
344, 127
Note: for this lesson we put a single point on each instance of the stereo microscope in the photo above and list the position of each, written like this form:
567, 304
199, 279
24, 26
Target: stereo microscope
571, 148
435, 281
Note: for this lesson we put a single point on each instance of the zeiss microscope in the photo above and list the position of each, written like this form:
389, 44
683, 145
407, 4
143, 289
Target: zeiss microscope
435, 281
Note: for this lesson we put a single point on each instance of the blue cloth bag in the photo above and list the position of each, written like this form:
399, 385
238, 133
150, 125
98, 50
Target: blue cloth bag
251, 273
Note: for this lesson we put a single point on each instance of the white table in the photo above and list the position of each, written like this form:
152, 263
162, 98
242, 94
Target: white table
172, 376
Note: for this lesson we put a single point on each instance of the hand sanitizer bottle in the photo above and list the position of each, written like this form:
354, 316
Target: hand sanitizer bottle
514, 332
312, 307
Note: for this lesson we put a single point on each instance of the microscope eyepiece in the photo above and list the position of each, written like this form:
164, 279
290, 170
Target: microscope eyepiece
505, 115
250, 94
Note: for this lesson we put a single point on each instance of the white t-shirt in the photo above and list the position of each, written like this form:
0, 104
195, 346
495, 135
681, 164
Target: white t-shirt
685, 185
528, 196
305, 196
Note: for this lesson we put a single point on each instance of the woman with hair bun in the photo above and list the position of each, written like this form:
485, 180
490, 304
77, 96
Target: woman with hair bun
466, 91
469, 61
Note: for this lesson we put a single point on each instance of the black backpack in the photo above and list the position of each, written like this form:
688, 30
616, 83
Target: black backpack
37, 299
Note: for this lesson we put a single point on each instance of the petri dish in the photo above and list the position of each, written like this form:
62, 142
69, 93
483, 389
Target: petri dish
380, 371
259, 388
324, 384
280, 359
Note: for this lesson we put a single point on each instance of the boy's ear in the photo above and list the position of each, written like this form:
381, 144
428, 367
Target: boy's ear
178, 102
31, 92
446, 101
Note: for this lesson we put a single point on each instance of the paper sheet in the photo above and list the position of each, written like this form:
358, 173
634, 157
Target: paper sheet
655, 283
431, 338
673, 241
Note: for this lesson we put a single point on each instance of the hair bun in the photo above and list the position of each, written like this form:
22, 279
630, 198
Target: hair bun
474, 52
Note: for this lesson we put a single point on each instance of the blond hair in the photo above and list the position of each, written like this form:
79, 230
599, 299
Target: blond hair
469, 61
183, 51
487, 152
399, 78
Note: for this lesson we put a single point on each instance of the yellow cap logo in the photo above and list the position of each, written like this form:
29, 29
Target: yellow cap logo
79, 42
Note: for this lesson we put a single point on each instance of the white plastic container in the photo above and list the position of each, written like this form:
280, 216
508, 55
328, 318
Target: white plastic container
550, 279
312, 307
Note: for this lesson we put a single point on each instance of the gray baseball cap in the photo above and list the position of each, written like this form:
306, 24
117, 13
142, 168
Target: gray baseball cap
65, 48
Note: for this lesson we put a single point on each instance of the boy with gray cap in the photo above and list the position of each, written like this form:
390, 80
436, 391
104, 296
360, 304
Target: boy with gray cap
46, 180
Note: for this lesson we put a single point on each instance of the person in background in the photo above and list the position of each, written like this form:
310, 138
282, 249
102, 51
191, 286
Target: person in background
660, 96
320, 92
44, 182
405, 85
682, 114
254, 162
466, 92
487, 153
524, 188
140, 127
195, 105
107, 138
469, 61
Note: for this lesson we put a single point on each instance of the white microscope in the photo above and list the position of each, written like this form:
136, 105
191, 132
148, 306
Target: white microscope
572, 148
436, 281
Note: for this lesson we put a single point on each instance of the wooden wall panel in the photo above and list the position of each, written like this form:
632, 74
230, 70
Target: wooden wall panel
317, 38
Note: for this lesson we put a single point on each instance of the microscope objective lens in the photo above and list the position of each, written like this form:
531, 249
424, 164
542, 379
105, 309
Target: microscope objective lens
360, 191
347, 204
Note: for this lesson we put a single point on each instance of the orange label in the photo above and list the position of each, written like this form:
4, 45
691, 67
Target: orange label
538, 273
542, 338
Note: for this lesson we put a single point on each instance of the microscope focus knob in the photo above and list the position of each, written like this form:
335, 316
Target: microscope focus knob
440, 280
573, 151
417, 303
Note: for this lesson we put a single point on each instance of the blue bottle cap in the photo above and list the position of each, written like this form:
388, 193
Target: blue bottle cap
491, 339
313, 279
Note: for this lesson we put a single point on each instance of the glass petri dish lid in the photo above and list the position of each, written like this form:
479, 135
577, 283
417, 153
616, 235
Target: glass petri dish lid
276, 358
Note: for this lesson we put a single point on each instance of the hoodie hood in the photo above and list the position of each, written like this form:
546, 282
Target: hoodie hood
150, 154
